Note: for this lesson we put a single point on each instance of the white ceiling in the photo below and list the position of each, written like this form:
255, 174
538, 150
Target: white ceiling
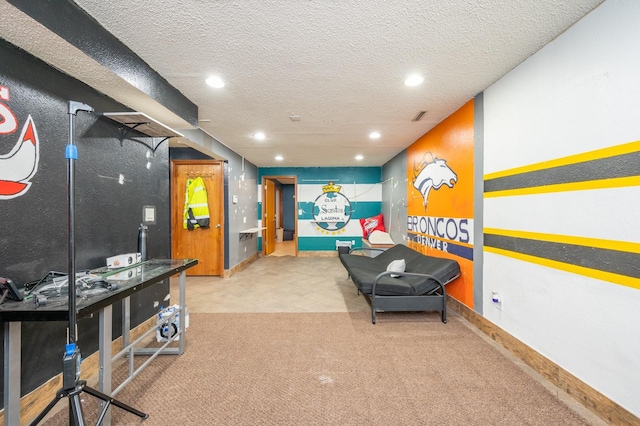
339, 65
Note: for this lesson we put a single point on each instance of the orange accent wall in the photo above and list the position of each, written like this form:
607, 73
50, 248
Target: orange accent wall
449, 209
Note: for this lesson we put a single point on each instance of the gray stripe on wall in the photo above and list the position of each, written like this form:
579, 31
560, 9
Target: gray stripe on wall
618, 166
613, 261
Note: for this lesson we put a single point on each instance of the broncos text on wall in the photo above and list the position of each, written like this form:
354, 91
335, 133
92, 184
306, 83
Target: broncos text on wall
440, 196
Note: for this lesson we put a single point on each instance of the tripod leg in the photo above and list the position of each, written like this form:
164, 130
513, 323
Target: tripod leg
110, 400
59, 395
76, 409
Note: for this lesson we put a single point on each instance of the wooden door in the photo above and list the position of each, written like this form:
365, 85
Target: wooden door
204, 244
269, 217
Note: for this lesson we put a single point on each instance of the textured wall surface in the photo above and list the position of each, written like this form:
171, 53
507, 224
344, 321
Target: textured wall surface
561, 201
113, 182
394, 197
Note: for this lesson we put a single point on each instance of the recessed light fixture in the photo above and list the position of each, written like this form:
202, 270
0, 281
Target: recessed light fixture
374, 135
259, 136
413, 80
359, 157
279, 158
215, 81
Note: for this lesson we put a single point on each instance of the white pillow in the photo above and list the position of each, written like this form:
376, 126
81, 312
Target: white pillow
396, 266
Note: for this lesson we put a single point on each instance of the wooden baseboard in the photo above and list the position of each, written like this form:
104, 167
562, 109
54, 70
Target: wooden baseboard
240, 266
34, 402
582, 393
318, 253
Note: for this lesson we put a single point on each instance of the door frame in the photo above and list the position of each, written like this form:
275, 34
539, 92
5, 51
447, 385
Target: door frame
289, 179
219, 205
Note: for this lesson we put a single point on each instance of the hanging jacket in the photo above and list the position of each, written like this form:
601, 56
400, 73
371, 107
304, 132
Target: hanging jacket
196, 208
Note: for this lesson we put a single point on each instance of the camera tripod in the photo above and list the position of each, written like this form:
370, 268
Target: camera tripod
75, 409
72, 387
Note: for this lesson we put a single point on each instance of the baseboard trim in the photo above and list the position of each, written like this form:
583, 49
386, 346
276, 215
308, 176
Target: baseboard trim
583, 394
240, 266
35, 401
318, 253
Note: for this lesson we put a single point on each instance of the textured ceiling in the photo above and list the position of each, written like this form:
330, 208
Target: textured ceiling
339, 65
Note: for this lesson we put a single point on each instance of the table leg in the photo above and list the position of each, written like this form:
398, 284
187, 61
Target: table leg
126, 321
104, 347
183, 311
12, 367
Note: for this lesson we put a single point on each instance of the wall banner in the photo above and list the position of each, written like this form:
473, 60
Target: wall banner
440, 196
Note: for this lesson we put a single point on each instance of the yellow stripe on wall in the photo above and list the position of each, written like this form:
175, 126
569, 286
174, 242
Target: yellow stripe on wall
580, 270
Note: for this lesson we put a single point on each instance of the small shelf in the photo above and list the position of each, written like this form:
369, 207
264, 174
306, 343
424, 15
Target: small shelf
248, 233
144, 124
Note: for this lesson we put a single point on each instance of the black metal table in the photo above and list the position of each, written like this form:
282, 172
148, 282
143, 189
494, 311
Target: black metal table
139, 277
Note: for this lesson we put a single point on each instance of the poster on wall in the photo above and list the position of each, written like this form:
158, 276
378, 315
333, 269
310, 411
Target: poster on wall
440, 196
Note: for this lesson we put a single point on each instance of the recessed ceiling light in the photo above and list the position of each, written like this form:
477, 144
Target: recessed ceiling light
279, 158
259, 136
374, 135
359, 157
215, 81
414, 80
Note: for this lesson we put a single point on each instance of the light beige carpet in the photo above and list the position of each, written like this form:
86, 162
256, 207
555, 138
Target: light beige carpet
334, 369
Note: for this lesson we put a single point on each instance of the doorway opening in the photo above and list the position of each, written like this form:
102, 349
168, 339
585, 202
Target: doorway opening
280, 215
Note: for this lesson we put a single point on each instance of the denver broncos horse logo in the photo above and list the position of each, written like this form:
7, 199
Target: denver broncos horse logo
21, 163
431, 173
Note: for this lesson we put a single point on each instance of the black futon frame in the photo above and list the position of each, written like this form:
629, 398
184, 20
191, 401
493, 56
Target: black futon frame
421, 287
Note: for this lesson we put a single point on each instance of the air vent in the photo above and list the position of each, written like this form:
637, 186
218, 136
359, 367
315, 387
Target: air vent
294, 118
419, 116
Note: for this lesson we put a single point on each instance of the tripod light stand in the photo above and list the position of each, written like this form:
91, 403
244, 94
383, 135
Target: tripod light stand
72, 387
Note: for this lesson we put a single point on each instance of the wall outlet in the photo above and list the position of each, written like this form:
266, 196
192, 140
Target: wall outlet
497, 299
244, 219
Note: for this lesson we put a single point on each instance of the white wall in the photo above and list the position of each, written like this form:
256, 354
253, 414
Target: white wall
578, 94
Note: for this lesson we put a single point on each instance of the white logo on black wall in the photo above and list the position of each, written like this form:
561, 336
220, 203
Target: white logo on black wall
20, 164
432, 173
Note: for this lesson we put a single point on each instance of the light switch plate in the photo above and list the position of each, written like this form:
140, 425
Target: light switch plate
149, 215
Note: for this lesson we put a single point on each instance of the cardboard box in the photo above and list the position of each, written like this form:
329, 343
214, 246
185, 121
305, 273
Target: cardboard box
122, 260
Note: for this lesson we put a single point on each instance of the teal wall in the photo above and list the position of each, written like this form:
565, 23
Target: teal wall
360, 196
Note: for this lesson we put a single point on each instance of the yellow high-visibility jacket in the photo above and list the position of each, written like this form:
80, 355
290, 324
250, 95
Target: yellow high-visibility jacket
196, 207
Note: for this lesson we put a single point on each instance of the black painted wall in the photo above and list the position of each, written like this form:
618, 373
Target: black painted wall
33, 227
